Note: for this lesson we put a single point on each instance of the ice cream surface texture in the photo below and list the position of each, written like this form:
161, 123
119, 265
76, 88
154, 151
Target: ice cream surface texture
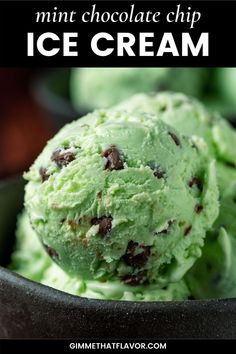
28, 259
123, 197
213, 275
191, 118
113, 289
31, 261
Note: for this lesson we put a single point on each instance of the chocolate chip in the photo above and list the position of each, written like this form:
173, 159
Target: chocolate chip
195, 181
99, 195
62, 158
134, 259
62, 221
105, 224
72, 224
43, 174
198, 208
187, 230
135, 279
51, 252
157, 170
114, 159
175, 138
166, 230
159, 174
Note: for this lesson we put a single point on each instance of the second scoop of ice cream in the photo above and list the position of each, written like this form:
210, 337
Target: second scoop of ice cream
122, 196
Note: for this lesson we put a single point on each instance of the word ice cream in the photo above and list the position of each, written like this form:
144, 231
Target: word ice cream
123, 43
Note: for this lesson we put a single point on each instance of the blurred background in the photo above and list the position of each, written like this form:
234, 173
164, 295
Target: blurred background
35, 103
24, 127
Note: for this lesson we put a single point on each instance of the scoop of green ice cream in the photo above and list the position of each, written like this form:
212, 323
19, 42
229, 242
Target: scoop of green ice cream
122, 196
103, 87
213, 274
191, 118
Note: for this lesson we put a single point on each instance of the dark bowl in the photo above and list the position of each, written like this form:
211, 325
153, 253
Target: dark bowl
32, 310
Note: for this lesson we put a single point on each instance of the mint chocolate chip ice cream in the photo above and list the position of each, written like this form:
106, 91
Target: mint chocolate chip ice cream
123, 197
191, 118
213, 274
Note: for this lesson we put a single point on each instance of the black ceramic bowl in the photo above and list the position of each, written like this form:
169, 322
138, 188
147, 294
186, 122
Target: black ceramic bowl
31, 310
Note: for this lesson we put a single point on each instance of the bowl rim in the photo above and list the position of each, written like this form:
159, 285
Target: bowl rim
65, 299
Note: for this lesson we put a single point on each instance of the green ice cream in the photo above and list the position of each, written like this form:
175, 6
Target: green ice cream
28, 258
31, 261
103, 87
113, 290
190, 117
213, 275
123, 197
